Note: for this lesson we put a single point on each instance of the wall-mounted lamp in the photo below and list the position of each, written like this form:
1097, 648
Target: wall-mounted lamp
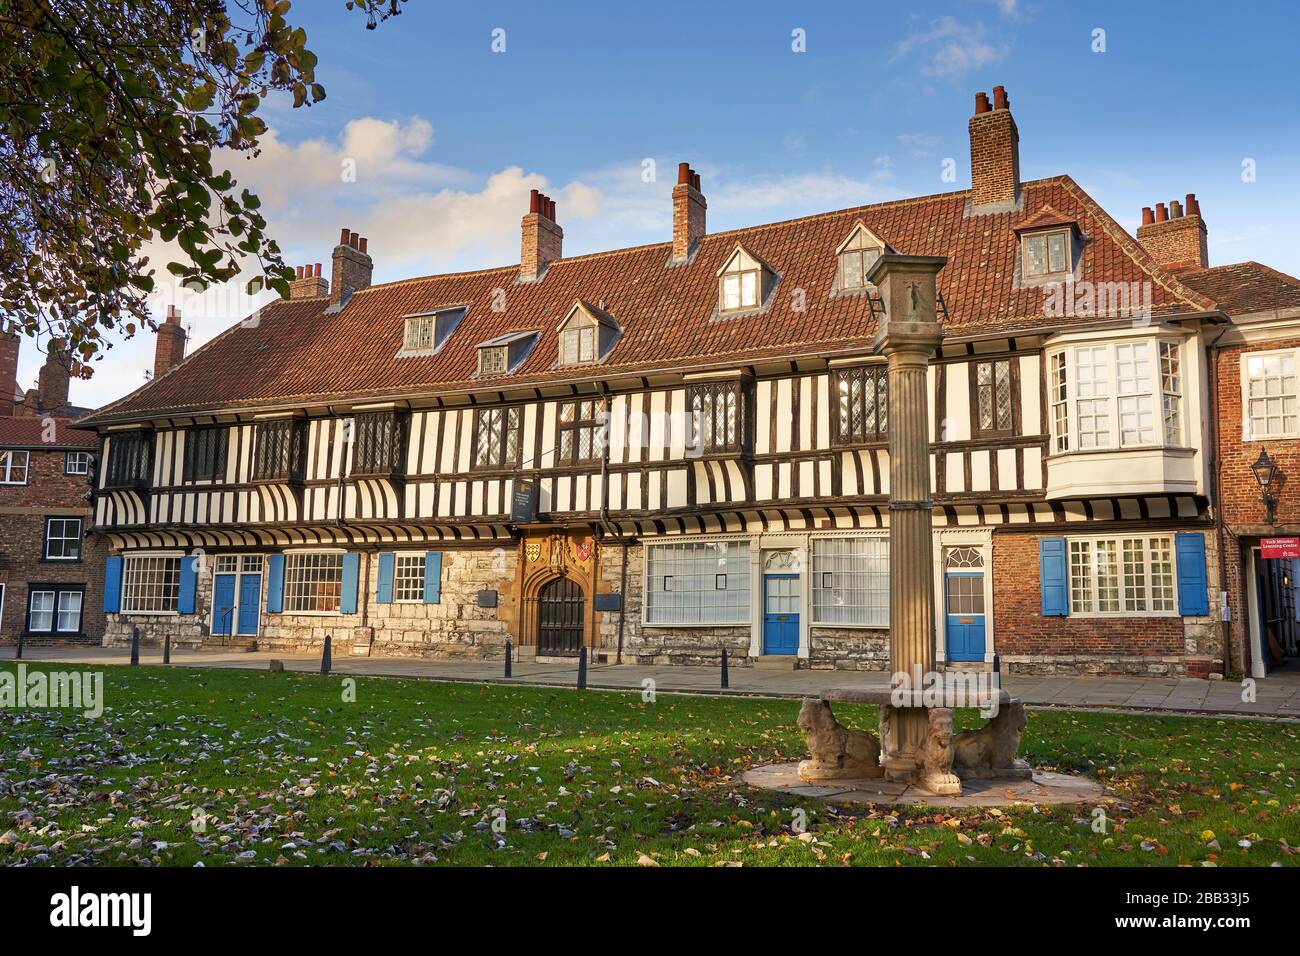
1267, 475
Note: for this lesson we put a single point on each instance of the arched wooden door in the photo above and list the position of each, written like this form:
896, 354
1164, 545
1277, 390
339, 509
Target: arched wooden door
559, 619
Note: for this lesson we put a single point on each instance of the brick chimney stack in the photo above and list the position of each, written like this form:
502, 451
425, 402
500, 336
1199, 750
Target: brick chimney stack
9, 345
352, 266
308, 283
51, 396
1175, 236
688, 212
994, 153
543, 240
169, 350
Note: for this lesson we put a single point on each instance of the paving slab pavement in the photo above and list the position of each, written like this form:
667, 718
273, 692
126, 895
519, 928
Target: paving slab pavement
1276, 696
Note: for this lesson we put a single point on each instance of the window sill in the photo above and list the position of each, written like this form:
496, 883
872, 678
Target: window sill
124, 611
850, 627
1119, 615
697, 624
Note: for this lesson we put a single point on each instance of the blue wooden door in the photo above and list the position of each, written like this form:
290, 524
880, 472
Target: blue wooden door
223, 603
781, 614
250, 602
964, 600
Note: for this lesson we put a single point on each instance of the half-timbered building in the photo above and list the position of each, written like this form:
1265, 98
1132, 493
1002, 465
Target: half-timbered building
663, 451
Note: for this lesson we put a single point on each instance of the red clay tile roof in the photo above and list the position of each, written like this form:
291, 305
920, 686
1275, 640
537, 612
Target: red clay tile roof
1245, 287
295, 354
1044, 217
29, 432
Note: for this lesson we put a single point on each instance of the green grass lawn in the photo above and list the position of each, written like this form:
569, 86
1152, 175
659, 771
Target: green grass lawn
241, 767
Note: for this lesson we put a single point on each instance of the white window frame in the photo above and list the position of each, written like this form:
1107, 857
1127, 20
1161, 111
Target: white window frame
493, 360
735, 578
76, 463
1105, 398
79, 537
1086, 548
418, 558
130, 568
8, 466
425, 331
58, 594
831, 575
290, 558
1248, 430
1047, 235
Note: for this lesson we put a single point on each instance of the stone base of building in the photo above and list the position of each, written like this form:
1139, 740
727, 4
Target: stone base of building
1089, 665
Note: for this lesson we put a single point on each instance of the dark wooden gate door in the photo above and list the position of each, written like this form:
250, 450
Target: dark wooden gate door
560, 613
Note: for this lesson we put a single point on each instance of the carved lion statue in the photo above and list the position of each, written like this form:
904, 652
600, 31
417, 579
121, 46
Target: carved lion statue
934, 758
991, 750
837, 751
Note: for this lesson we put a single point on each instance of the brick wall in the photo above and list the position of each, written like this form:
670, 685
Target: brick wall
23, 510
994, 152
1028, 642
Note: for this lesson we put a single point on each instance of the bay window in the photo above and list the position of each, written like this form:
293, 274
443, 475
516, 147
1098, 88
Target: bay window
1122, 575
1107, 395
850, 581
704, 582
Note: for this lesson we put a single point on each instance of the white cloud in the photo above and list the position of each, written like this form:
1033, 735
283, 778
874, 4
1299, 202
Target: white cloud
950, 48
424, 217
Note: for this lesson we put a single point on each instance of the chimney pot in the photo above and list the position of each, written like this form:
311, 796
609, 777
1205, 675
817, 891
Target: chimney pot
683, 172
299, 273
1000, 100
345, 238
363, 243
534, 201
1193, 207
1175, 209
981, 102
317, 272
1148, 215
1162, 212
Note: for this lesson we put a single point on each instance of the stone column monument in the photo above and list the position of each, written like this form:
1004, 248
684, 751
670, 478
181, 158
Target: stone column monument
908, 336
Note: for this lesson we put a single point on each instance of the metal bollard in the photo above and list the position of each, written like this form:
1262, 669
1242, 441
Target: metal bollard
18, 651
582, 669
726, 680
509, 653
326, 659
167, 648
135, 647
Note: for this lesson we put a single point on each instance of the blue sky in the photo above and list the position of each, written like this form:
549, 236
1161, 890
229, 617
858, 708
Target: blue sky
447, 136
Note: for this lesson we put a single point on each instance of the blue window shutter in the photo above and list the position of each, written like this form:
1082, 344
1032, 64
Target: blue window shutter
112, 585
1052, 574
351, 573
189, 581
1193, 590
432, 577
275, 584
384, 590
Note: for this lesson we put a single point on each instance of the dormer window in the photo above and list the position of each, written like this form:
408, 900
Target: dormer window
1046, 253
587, 334
505, 353
857, 254
742, 282
427, 331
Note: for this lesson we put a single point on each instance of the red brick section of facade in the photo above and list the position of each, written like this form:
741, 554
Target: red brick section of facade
1243, 513
1023, 630
48, 492
994, 151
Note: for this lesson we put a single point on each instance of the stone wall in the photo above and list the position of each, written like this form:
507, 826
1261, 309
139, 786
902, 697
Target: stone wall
848, 648
456, 627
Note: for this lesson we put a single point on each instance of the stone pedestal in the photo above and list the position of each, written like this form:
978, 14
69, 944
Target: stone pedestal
908, 337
